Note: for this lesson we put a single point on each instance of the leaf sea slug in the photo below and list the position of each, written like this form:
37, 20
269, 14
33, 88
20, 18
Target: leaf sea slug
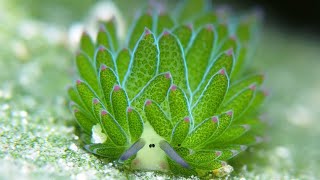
176, 97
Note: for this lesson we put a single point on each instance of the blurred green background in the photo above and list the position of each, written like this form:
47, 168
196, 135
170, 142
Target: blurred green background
37, 138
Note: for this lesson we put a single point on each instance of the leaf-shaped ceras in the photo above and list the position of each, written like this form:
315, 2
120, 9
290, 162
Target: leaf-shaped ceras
172, 60
143, 66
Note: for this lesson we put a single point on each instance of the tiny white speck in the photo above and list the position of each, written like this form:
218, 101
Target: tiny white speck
73, 147
76, 137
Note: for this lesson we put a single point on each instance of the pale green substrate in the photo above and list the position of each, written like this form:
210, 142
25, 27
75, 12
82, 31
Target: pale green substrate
38, 139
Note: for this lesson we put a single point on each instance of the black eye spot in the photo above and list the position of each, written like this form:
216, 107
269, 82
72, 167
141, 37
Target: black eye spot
152, 145
179, 145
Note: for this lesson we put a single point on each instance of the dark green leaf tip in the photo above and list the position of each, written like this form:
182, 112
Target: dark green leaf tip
95, 101
147, 31
102, 28
78, 82
230, 113
116, 88
148, 102
218, 153
229, 52
233, 37
253, 86
222, 71
246, 127
234, 152
129, 109
84, 33
209, 27
190, 26
167, 75
223, 163
187, 119
101, 48
173, 87
243, 147
103, 67
215, 119
104, 112
166, 33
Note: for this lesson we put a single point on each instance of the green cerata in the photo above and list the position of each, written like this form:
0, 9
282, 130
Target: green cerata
177, 96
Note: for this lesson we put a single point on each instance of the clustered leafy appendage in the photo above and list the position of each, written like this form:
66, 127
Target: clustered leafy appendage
176, 97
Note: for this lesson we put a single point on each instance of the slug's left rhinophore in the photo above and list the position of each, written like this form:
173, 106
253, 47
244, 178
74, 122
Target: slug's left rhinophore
132, 150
